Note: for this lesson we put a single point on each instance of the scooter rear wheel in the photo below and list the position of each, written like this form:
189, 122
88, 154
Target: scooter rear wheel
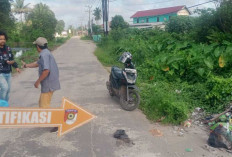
109, 87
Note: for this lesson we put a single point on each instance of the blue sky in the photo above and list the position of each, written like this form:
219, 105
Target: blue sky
73, 12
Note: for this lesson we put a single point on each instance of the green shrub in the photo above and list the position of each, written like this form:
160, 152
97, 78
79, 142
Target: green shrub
159, 100
86, 38
180, 24
220, 93
105, 57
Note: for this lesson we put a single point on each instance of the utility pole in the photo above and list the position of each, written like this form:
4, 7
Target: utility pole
105, 13
89, 23
81, 29
107, 16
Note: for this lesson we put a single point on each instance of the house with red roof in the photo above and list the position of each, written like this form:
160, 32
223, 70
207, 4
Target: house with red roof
158, 16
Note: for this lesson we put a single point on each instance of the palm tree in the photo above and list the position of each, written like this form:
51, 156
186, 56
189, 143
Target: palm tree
42, 9
20, 8
43, 21
97, 13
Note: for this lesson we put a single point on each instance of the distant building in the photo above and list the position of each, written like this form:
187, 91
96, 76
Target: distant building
64, 33
57, 35
157, 17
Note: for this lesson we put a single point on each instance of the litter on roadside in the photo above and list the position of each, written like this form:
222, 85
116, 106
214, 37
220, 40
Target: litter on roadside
188, 123
121, 135
156, 132
221, 130
220, 138
188, 150
196, 118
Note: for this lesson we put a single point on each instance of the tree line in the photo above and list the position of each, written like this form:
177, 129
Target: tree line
37, 21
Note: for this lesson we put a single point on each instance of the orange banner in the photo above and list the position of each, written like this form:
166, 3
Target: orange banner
67, 118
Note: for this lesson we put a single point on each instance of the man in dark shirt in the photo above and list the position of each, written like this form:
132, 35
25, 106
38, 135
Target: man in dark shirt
6, 62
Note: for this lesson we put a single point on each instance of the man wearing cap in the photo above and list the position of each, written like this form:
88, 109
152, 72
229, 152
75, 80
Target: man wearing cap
48, 72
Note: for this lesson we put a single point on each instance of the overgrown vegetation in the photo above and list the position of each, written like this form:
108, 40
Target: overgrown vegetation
86, 37
33, 23
186, 66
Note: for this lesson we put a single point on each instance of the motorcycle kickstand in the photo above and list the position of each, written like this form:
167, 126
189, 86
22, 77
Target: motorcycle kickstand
127, 93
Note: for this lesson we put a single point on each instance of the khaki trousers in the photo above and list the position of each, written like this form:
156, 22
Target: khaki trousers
45, 100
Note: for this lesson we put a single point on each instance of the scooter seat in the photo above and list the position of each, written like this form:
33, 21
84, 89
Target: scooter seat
116, 72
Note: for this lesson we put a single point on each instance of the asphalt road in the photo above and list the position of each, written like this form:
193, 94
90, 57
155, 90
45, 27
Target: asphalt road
83, 80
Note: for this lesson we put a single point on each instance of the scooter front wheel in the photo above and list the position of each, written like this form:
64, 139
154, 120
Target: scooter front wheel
132, 103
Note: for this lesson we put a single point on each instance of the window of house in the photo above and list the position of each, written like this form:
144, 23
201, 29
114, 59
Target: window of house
158, 19
169, 17
165, 19
142, 21
137, 20
147, 20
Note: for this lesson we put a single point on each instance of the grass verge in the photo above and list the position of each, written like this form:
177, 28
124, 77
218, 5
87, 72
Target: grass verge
86, 38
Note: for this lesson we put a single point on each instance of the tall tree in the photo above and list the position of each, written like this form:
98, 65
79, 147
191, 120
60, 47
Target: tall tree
7, 20
20, 8
5, 6
43, 22
96, 29
118, 22
97, 13
180, 24
224, 16
60, 26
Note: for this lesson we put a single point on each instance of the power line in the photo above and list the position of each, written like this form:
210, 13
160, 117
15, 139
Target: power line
146, 3
94, 3
163, 2
200, 4
153, 3
98, 4
89, 7
143, 4
89, 11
